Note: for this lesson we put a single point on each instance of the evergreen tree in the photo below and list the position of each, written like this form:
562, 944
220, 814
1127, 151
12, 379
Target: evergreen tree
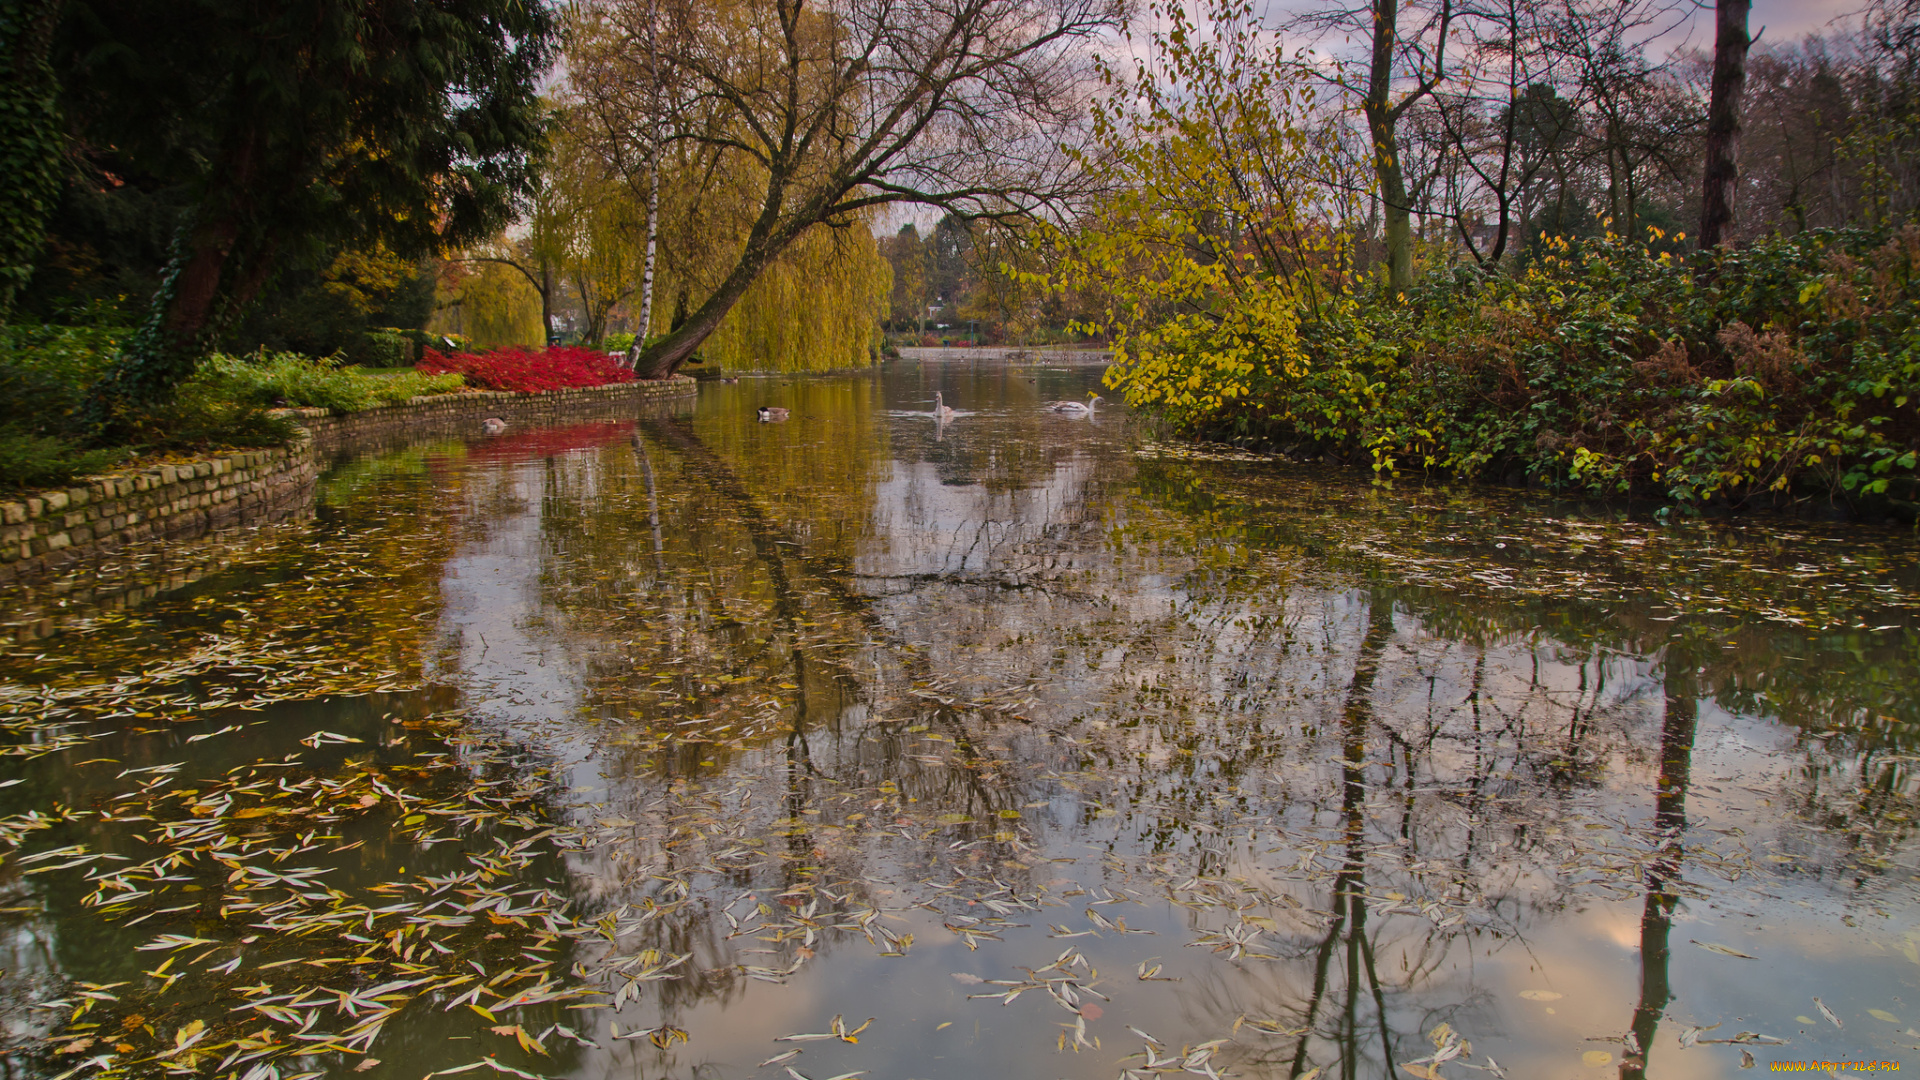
299, 126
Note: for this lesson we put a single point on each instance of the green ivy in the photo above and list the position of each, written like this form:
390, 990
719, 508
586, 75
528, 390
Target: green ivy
31, 139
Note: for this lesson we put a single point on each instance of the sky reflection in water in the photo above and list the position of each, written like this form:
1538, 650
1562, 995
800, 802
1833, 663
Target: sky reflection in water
870, 715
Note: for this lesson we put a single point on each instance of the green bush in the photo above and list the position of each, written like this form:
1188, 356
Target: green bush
1789, 367
387, 349
617, 342
274, 379
44, 375
73, 355
41, 461
45, 371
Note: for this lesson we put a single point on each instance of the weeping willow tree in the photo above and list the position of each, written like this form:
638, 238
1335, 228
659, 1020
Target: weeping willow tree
816, 308
488, 304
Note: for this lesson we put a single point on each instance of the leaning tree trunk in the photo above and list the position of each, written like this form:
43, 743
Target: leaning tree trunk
664, 357
1730, 43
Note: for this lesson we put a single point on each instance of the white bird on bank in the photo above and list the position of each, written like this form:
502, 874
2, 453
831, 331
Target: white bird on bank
493, 425
1075, 408
941, 410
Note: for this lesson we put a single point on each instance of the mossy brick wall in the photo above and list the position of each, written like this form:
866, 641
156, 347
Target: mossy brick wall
461, 414
51, 529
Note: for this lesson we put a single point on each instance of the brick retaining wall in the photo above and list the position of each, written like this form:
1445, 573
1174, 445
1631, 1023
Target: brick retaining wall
52, 528
49, 529
460, 414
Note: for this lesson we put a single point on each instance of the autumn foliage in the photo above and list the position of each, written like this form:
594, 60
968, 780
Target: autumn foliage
518, 368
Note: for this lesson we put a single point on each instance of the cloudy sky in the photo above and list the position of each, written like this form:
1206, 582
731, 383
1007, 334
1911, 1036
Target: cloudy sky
1776, 20
1783, 20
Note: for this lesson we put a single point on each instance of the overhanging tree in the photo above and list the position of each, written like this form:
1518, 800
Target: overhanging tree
836, 109
298, 123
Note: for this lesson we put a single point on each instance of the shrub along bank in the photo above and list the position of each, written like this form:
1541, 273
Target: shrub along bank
1787, 370
47, 437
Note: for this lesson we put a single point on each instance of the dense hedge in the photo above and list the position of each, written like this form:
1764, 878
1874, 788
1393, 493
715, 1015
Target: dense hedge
1787, 369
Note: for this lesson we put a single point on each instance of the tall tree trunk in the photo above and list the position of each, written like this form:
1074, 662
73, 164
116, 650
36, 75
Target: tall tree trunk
645, 329
206, 280
1382, 114
653, 247
1397, 218
546, 301
1730, 43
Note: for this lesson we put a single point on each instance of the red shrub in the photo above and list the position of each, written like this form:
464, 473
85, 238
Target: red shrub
516, 367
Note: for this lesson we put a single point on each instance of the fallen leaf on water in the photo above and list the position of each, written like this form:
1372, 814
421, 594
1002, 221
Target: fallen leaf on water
1882, 1014
1723, 950
1596, 1058
367, 1064
1541, 995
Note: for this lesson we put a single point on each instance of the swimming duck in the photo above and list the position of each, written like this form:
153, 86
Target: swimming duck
492, 425
770, 413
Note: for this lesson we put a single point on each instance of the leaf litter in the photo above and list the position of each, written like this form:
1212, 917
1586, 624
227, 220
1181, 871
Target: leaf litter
266, 951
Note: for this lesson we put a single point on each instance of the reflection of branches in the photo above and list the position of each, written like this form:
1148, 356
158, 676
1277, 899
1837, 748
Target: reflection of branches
998, 581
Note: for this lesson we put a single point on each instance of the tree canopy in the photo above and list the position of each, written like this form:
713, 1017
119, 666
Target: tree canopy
292, 125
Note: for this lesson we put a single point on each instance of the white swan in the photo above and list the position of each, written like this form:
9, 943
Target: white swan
941, 410
1075, 408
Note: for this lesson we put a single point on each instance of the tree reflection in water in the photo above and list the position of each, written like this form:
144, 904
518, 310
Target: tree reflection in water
1663, 870
837, 708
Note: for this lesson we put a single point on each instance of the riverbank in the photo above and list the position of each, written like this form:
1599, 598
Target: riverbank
44, 531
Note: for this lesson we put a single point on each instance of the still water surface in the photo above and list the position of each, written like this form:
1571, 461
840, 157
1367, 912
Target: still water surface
633, 748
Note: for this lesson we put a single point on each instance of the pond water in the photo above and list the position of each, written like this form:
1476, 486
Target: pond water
1016, 745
